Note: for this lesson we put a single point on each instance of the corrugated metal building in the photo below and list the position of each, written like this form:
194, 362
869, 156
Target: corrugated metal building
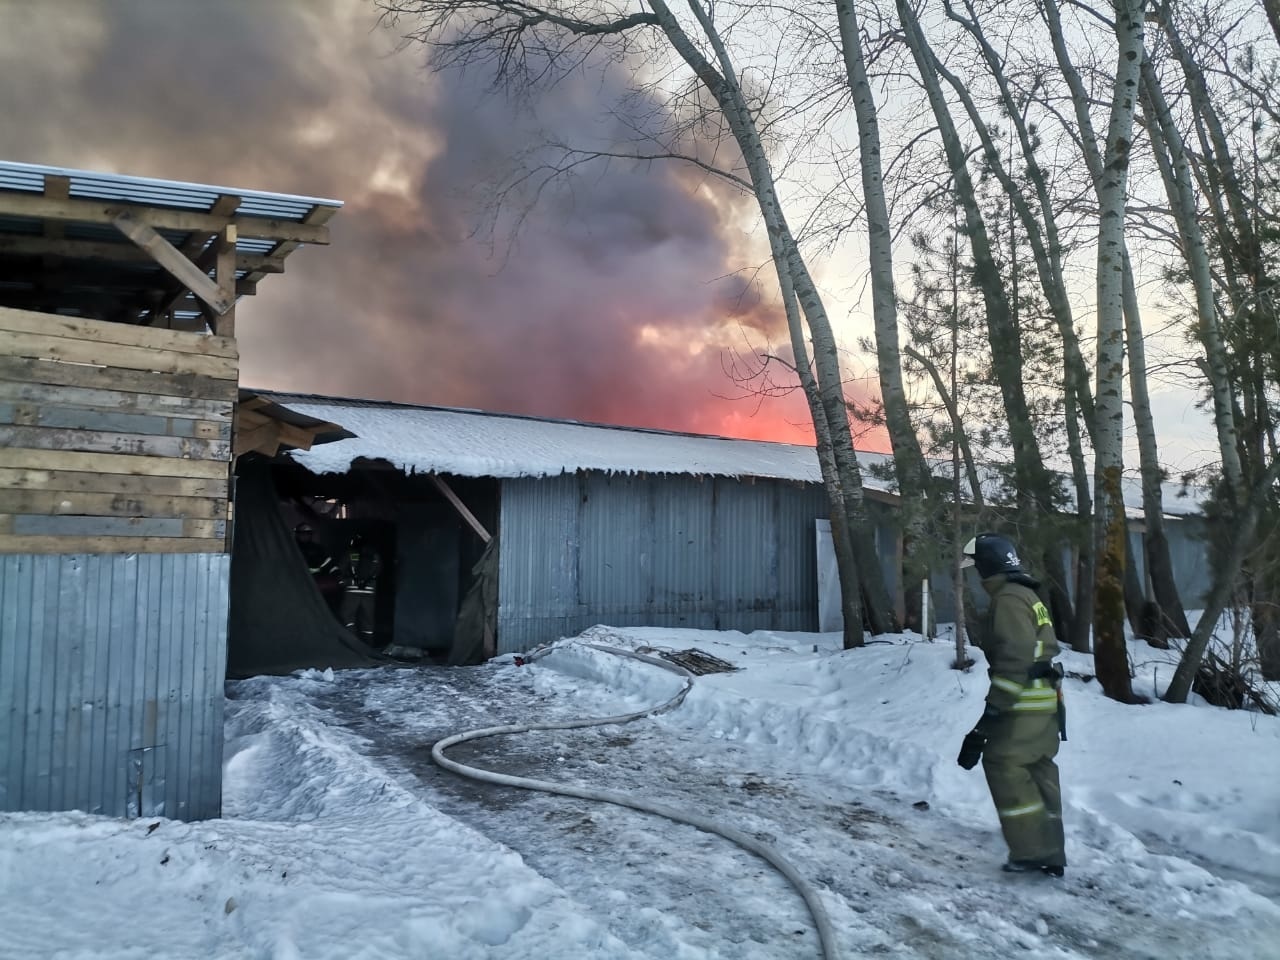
594, 524
118, 404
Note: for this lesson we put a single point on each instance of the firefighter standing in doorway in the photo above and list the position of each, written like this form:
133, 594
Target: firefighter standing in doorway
361, 565
1017, 737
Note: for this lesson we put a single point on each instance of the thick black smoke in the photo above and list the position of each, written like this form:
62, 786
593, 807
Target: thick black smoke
619, 301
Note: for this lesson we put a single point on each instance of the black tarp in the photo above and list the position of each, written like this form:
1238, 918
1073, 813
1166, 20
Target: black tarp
279, 620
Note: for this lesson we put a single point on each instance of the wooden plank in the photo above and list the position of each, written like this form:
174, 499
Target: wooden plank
125, 334
214, 411
90, 441
37, 525
41, 459
461, 507
265, 439
23, 544
98, 211
39, 347
129, 484
122, 252
57, 502
184, 385
171, 258
110, 421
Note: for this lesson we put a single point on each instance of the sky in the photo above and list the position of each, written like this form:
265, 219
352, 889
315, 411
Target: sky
341, 839
634, 295
622, 299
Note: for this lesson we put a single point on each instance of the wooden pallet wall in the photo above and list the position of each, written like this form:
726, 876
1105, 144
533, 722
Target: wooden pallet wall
114, 438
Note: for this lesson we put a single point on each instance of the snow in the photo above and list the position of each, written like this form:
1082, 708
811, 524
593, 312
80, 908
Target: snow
474, 443
469, 443
340, 839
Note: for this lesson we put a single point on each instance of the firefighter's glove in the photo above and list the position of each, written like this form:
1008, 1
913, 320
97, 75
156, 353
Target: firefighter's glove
971, 749
987, 722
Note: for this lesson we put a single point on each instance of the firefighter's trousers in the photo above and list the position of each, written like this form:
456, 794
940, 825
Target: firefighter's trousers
1018, 762
357, 612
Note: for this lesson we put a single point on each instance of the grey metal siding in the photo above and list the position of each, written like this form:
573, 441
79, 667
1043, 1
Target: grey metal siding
111, 673
652, 550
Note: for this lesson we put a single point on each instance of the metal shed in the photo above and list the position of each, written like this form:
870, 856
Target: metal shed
594, 523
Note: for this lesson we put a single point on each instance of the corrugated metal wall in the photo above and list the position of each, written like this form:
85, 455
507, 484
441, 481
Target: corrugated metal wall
654, 551
111, 675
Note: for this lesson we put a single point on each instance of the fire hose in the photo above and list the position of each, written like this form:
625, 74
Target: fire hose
826, 933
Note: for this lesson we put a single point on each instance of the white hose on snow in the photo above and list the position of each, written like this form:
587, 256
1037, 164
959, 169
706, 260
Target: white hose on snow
826, 934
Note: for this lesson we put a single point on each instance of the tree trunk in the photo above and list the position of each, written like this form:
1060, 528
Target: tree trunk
1110, 539
1082, 627
910, 469
1159, 564
723, 86
1033, 481
841, 540
1273, 14
957, 426
1171, 157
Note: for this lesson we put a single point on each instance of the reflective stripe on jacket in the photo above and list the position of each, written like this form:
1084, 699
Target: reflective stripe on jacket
1019, 634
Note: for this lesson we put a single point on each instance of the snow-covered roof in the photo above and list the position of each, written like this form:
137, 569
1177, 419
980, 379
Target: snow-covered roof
477, 443
474, 443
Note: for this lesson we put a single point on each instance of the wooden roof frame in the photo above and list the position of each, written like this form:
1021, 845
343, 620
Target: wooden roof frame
149, 252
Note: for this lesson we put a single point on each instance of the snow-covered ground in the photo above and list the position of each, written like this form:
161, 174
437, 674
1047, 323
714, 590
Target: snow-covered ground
342, 840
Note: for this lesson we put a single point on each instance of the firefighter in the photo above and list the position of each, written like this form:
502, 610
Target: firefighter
1017, 736
319, 564
361, 565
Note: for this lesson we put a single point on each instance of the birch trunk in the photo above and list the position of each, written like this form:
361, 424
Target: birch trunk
1171, 156
908, 460
1082, 626
1172, 617
841, 544
1032, 479
948, 399
1110, 537
1157, 548
723, 86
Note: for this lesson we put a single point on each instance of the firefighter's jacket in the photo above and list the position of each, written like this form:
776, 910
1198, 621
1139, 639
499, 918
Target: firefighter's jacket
1020, 646
360, 568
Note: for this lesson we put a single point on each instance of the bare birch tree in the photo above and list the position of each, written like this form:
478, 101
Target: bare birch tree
910, 469
1110, 536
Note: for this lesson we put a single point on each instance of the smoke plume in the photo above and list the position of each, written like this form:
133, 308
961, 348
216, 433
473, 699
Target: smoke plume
622, 298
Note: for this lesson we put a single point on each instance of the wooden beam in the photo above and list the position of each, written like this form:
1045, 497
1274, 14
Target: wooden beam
200, 248
461, 507
171, 258
58, 188
34, 206
224, 275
